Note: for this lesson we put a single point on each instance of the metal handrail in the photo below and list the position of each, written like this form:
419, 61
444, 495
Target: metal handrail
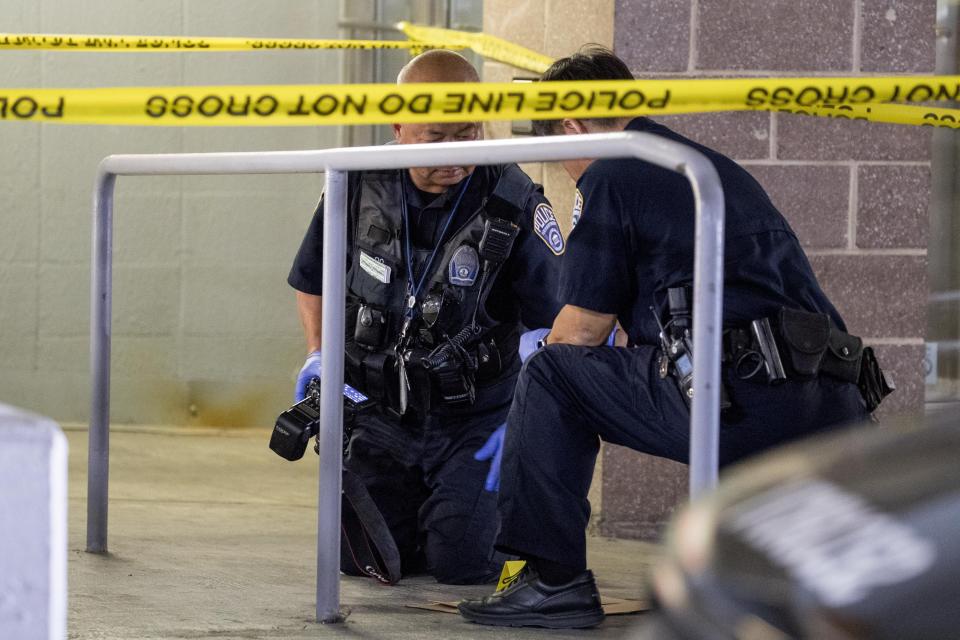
707, 292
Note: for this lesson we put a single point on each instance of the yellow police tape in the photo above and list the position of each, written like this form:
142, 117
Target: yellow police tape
81, 42
420, 38
286, 105
486, 45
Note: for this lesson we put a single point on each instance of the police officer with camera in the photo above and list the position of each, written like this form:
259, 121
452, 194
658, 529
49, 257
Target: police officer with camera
790, 369
445, 265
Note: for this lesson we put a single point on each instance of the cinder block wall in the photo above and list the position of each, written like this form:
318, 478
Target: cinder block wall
855, 193
205, 328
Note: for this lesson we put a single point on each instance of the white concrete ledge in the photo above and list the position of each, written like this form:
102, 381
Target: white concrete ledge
33, 527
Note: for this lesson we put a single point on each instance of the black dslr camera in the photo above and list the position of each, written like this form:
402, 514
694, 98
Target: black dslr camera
299, 423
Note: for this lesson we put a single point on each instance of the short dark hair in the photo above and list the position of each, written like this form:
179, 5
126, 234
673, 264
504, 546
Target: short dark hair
591, 62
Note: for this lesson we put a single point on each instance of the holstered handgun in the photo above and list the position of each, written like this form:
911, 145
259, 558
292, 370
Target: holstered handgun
767, 343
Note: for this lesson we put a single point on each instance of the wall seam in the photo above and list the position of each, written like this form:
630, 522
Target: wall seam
856, 57
35, 355
834, 163
774, 136
853, 205
894, 342
694, 25
904, 252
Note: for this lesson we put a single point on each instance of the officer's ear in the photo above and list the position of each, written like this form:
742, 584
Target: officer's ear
396, 132
572, 126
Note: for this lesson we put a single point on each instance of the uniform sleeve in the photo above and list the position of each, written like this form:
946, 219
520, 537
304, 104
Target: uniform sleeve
536, 260
596, 268
306, 275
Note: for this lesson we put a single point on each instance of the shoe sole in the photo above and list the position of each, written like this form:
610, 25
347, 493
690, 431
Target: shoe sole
556, 621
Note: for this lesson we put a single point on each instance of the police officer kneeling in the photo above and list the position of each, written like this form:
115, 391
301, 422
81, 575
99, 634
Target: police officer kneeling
630, 259
443, 265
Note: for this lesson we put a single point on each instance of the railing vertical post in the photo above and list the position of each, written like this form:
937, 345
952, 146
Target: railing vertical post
98, 448
707, 323
331, 396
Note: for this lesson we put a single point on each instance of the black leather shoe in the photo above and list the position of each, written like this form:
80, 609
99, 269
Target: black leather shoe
529, 602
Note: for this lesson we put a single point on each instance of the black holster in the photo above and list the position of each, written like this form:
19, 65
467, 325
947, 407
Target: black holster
811, 345
873, 385
457, 365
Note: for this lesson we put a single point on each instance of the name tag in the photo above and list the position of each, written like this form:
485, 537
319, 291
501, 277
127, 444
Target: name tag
375, 268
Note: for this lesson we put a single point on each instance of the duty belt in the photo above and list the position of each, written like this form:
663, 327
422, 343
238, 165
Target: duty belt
800, 345
448, 381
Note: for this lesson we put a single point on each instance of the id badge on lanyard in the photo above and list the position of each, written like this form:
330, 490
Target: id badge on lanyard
415, 287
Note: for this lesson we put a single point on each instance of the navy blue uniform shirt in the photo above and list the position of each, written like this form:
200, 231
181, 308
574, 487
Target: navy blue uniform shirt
635, 235
526, 286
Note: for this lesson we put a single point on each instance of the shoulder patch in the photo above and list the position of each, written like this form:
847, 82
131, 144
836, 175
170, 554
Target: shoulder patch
577, 208
545, 225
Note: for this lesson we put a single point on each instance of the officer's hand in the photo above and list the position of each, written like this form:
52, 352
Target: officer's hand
492, 450
530, 342
310, 370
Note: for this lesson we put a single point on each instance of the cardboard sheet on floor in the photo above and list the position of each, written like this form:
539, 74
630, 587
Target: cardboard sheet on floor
611, 606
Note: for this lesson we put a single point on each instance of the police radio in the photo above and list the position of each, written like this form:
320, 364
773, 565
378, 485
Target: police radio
676, 342
497, 240
452, 363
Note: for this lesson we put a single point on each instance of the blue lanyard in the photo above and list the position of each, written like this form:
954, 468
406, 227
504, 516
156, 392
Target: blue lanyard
413, 291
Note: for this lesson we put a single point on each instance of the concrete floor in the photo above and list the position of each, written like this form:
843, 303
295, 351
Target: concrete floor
214, 536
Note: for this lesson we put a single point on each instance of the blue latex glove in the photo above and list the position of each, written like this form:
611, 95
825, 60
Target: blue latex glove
310, 370
529, 342
492, 450
612, 339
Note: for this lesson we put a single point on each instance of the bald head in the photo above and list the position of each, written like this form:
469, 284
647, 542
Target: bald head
438, 65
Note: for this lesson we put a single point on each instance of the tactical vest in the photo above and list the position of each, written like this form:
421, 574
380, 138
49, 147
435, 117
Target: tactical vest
377, 285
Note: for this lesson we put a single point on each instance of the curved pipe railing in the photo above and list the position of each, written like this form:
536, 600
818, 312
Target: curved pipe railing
707, 293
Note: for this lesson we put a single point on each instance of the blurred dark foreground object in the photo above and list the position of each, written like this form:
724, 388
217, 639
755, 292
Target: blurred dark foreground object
850, 536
